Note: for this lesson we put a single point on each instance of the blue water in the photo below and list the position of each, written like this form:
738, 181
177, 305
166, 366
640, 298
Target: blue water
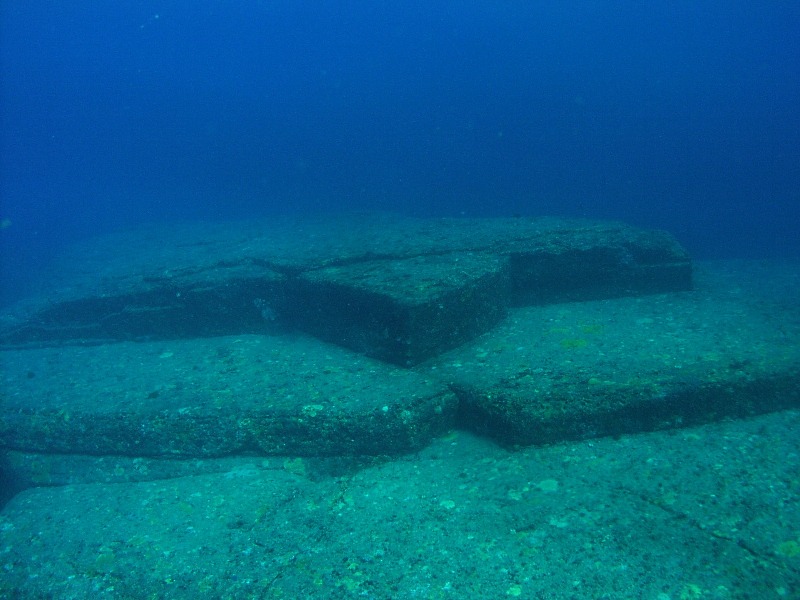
678, 115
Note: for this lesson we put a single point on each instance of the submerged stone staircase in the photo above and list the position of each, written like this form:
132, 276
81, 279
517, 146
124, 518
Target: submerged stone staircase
370, 335
399, 290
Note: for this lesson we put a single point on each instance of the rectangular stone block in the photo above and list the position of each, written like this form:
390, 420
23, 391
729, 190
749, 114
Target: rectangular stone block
595, 262
401, 290
607, 367
216, 397
403, 311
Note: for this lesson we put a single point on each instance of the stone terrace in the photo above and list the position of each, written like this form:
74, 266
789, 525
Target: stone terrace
373, 335
400, 290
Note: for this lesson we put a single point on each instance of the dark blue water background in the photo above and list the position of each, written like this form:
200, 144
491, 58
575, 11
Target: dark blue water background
678, 115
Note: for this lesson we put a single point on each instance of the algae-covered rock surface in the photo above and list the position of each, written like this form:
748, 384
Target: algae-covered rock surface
374, 335
567, 371
216, 397
401, 290
395, 408
706, 512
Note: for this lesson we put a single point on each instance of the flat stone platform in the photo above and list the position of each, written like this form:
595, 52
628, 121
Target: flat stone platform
730, 348
543, 373
706, 512
213, 397
400, 290
253, 415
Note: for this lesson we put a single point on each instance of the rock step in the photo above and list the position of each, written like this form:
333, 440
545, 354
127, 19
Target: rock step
584, 370
400, 290
545, 374
640, 517
216, 397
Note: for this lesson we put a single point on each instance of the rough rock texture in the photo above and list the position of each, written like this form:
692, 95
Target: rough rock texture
278, 410
570, 371
401, 290
216, 397
708, 512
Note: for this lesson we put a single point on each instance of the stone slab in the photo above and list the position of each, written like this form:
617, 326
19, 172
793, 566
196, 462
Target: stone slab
427, 284
708, 512
577, 263
215, 397
582, 370
545, 374
185, 304
404, 311
23, 470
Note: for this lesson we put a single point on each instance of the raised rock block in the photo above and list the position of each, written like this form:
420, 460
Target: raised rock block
401, 290
545, 374
591, 262
403, 311
216, 397
590, 369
